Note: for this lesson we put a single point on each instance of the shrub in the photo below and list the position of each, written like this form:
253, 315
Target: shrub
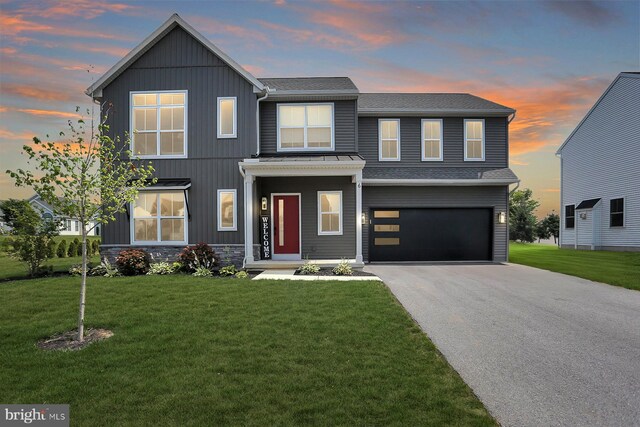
202, 272
62, 249
105, 269
160, 268
343, 269
309, 268
95, 247
176, 266
132, 262
71, 250
78, 245
242, 275
228, 270
51, 248
200, 255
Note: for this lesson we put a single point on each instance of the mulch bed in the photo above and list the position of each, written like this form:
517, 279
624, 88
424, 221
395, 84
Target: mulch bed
67, 340
329, 272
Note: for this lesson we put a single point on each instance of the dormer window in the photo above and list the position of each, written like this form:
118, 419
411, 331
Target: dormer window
305, 127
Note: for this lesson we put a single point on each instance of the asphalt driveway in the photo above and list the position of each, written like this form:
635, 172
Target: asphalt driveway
538, 348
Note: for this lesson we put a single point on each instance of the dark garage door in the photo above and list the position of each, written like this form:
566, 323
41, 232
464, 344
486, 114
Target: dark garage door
431, 234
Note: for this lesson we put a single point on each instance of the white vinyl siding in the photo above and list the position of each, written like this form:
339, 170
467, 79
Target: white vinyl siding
158, 124
227, 210
227, 117
305, 127
431, 140
329, 212
159, 218
474, 140
389, 140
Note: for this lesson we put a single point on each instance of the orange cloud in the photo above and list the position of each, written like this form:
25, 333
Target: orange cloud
116, 51
551, 190
215, 26
87, 9
29, 91
254, 69
307, 36
49, 113
7, 134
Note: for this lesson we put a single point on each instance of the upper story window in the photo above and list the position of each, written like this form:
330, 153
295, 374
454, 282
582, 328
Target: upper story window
227, 121
389, 139
158, 124
159, 218
431, 140
305, 127
616, 213
474, 140
569, 216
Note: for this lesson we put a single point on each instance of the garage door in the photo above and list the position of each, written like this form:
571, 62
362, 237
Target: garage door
431, 234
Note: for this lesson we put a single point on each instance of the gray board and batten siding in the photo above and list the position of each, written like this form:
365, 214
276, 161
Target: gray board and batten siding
180, 62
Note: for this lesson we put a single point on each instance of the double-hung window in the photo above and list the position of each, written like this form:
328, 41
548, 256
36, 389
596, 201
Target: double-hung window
389, 139
616, 213
227, 117
431, 140
159, 217
305, 127
474, 140
569, 216
227, 211
158, 124
330, 212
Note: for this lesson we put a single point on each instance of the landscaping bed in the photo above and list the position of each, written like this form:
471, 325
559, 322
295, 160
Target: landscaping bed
325, 271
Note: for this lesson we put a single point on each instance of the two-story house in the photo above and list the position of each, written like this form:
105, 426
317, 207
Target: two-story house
600, 173
280, 170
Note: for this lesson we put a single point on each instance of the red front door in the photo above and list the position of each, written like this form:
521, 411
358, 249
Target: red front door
286, 225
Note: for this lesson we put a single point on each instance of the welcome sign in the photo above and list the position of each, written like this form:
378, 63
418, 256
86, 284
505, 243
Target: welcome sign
265, 237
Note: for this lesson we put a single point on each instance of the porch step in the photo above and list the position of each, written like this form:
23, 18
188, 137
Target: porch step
283, 265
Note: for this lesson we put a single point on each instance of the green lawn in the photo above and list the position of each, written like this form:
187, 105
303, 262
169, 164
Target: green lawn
615, 268
13, 269
190, 351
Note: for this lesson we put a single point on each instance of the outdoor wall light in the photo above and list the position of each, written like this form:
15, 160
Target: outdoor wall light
363, 218
502, 217
264, 203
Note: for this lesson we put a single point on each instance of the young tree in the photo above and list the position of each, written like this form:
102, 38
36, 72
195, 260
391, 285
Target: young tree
553, 225
90, 177
542, 230
522, 221
19, 214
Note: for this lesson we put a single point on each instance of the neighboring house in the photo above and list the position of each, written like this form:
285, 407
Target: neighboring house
600, 173
68, 226
293, 168
4, 228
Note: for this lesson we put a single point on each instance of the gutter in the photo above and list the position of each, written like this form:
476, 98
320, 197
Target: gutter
266, 95
437, 182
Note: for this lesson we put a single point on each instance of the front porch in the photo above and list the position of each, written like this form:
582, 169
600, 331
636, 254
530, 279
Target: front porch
303, 208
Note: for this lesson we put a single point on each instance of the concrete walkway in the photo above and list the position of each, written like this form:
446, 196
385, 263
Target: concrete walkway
538, 348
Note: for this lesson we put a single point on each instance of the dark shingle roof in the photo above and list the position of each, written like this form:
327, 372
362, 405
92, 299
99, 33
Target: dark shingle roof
588, 204
427, 103
305, 84
438, 173
305, 158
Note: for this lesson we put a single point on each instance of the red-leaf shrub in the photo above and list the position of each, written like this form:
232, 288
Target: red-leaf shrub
200, 255
132, 262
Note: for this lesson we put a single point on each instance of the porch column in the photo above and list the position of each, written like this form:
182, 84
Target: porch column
248, 217
359, 216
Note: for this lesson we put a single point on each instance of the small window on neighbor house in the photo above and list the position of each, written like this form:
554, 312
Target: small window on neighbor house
474, 140
616, 213
330, 212
158, 123
227, 210
389, 139
569, 216
227, 121
431, 139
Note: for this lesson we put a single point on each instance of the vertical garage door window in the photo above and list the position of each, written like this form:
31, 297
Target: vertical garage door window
330, 212
389, 139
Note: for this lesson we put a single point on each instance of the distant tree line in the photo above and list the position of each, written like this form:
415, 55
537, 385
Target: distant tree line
523, 224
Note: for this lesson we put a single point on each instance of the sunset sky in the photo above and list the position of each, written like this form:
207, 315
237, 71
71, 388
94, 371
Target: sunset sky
549, 60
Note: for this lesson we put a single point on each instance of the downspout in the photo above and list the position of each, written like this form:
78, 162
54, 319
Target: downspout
513, 116
266, 95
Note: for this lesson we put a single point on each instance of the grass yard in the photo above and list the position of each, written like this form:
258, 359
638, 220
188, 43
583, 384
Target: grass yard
13, 269
197, 351
614, 268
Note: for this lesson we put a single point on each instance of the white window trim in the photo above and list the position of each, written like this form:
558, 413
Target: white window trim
467, 159
305, 148
132, 228
235, 118
389, 159
624, 212
235, 210
186, 117
340, 213
424, 157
